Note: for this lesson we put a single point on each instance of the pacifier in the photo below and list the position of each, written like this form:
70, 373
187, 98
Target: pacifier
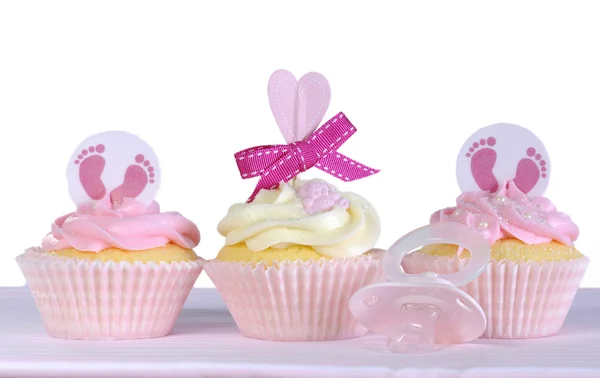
418, 311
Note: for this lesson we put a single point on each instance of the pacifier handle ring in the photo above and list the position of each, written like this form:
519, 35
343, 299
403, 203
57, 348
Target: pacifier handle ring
439, 233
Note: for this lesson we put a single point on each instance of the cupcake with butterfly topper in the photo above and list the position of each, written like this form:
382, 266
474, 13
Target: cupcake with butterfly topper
116, 267
297, 250
527, 288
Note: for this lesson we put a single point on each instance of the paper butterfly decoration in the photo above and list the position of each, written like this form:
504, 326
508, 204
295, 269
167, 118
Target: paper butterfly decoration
299, 107
500, 153
114, 164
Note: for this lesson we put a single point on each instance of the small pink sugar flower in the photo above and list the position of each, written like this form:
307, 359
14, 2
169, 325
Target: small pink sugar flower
317, 197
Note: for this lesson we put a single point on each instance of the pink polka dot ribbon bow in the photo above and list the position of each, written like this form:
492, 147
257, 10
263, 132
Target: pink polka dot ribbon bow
277, 163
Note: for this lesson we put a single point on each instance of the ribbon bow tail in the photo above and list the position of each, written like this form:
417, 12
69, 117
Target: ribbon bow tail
327, 139
260, 161
344, 168
266, 182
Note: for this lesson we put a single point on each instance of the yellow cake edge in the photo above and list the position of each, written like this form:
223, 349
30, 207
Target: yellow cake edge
168, 253
511, 249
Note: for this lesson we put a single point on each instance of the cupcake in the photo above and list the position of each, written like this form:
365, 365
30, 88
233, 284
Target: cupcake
117, 267
297, 250
528, 286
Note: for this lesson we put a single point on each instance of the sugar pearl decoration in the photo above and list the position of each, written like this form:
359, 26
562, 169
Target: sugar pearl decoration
528, 216
456, 212
501, 199
483, 225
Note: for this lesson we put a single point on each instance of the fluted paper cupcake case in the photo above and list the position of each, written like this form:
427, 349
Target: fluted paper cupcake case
95, 300
295, 300
520, 299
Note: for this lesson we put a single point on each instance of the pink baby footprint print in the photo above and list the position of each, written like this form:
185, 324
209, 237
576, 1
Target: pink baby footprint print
529, 170
483, 158
91, 165
137, 176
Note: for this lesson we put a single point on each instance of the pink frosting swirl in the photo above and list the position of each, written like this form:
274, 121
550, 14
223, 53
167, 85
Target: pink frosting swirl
128, 225
510, 213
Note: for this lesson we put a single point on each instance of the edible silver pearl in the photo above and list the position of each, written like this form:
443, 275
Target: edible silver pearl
483, 225
501, 199
528, 216
456, 212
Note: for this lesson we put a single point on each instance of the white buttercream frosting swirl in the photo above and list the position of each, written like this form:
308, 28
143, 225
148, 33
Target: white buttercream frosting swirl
278, 218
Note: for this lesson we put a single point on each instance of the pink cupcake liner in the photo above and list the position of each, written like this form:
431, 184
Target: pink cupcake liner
521, 300
295, 300
94, 300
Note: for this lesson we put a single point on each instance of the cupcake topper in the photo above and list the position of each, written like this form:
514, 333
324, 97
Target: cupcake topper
111, 166
500, 153
416, 312
298, 107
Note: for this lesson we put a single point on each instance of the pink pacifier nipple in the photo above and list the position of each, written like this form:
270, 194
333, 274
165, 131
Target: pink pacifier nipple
416, 312
416, 332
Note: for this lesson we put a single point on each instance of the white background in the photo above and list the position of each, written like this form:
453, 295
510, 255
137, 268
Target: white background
190, 78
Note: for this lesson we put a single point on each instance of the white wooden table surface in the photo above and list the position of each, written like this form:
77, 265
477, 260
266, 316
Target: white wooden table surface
206, 343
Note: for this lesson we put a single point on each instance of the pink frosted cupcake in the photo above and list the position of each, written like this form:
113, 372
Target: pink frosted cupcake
298, 250
535, 270
116, 268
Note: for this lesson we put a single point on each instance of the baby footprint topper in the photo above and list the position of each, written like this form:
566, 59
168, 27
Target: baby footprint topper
500, 153
299, 106
111, 166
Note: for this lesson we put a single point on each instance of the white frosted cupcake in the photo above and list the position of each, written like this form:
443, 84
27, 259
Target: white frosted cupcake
292, 259
296, 251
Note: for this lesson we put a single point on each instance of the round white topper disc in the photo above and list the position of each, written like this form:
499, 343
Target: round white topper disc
113, 163
500, 153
